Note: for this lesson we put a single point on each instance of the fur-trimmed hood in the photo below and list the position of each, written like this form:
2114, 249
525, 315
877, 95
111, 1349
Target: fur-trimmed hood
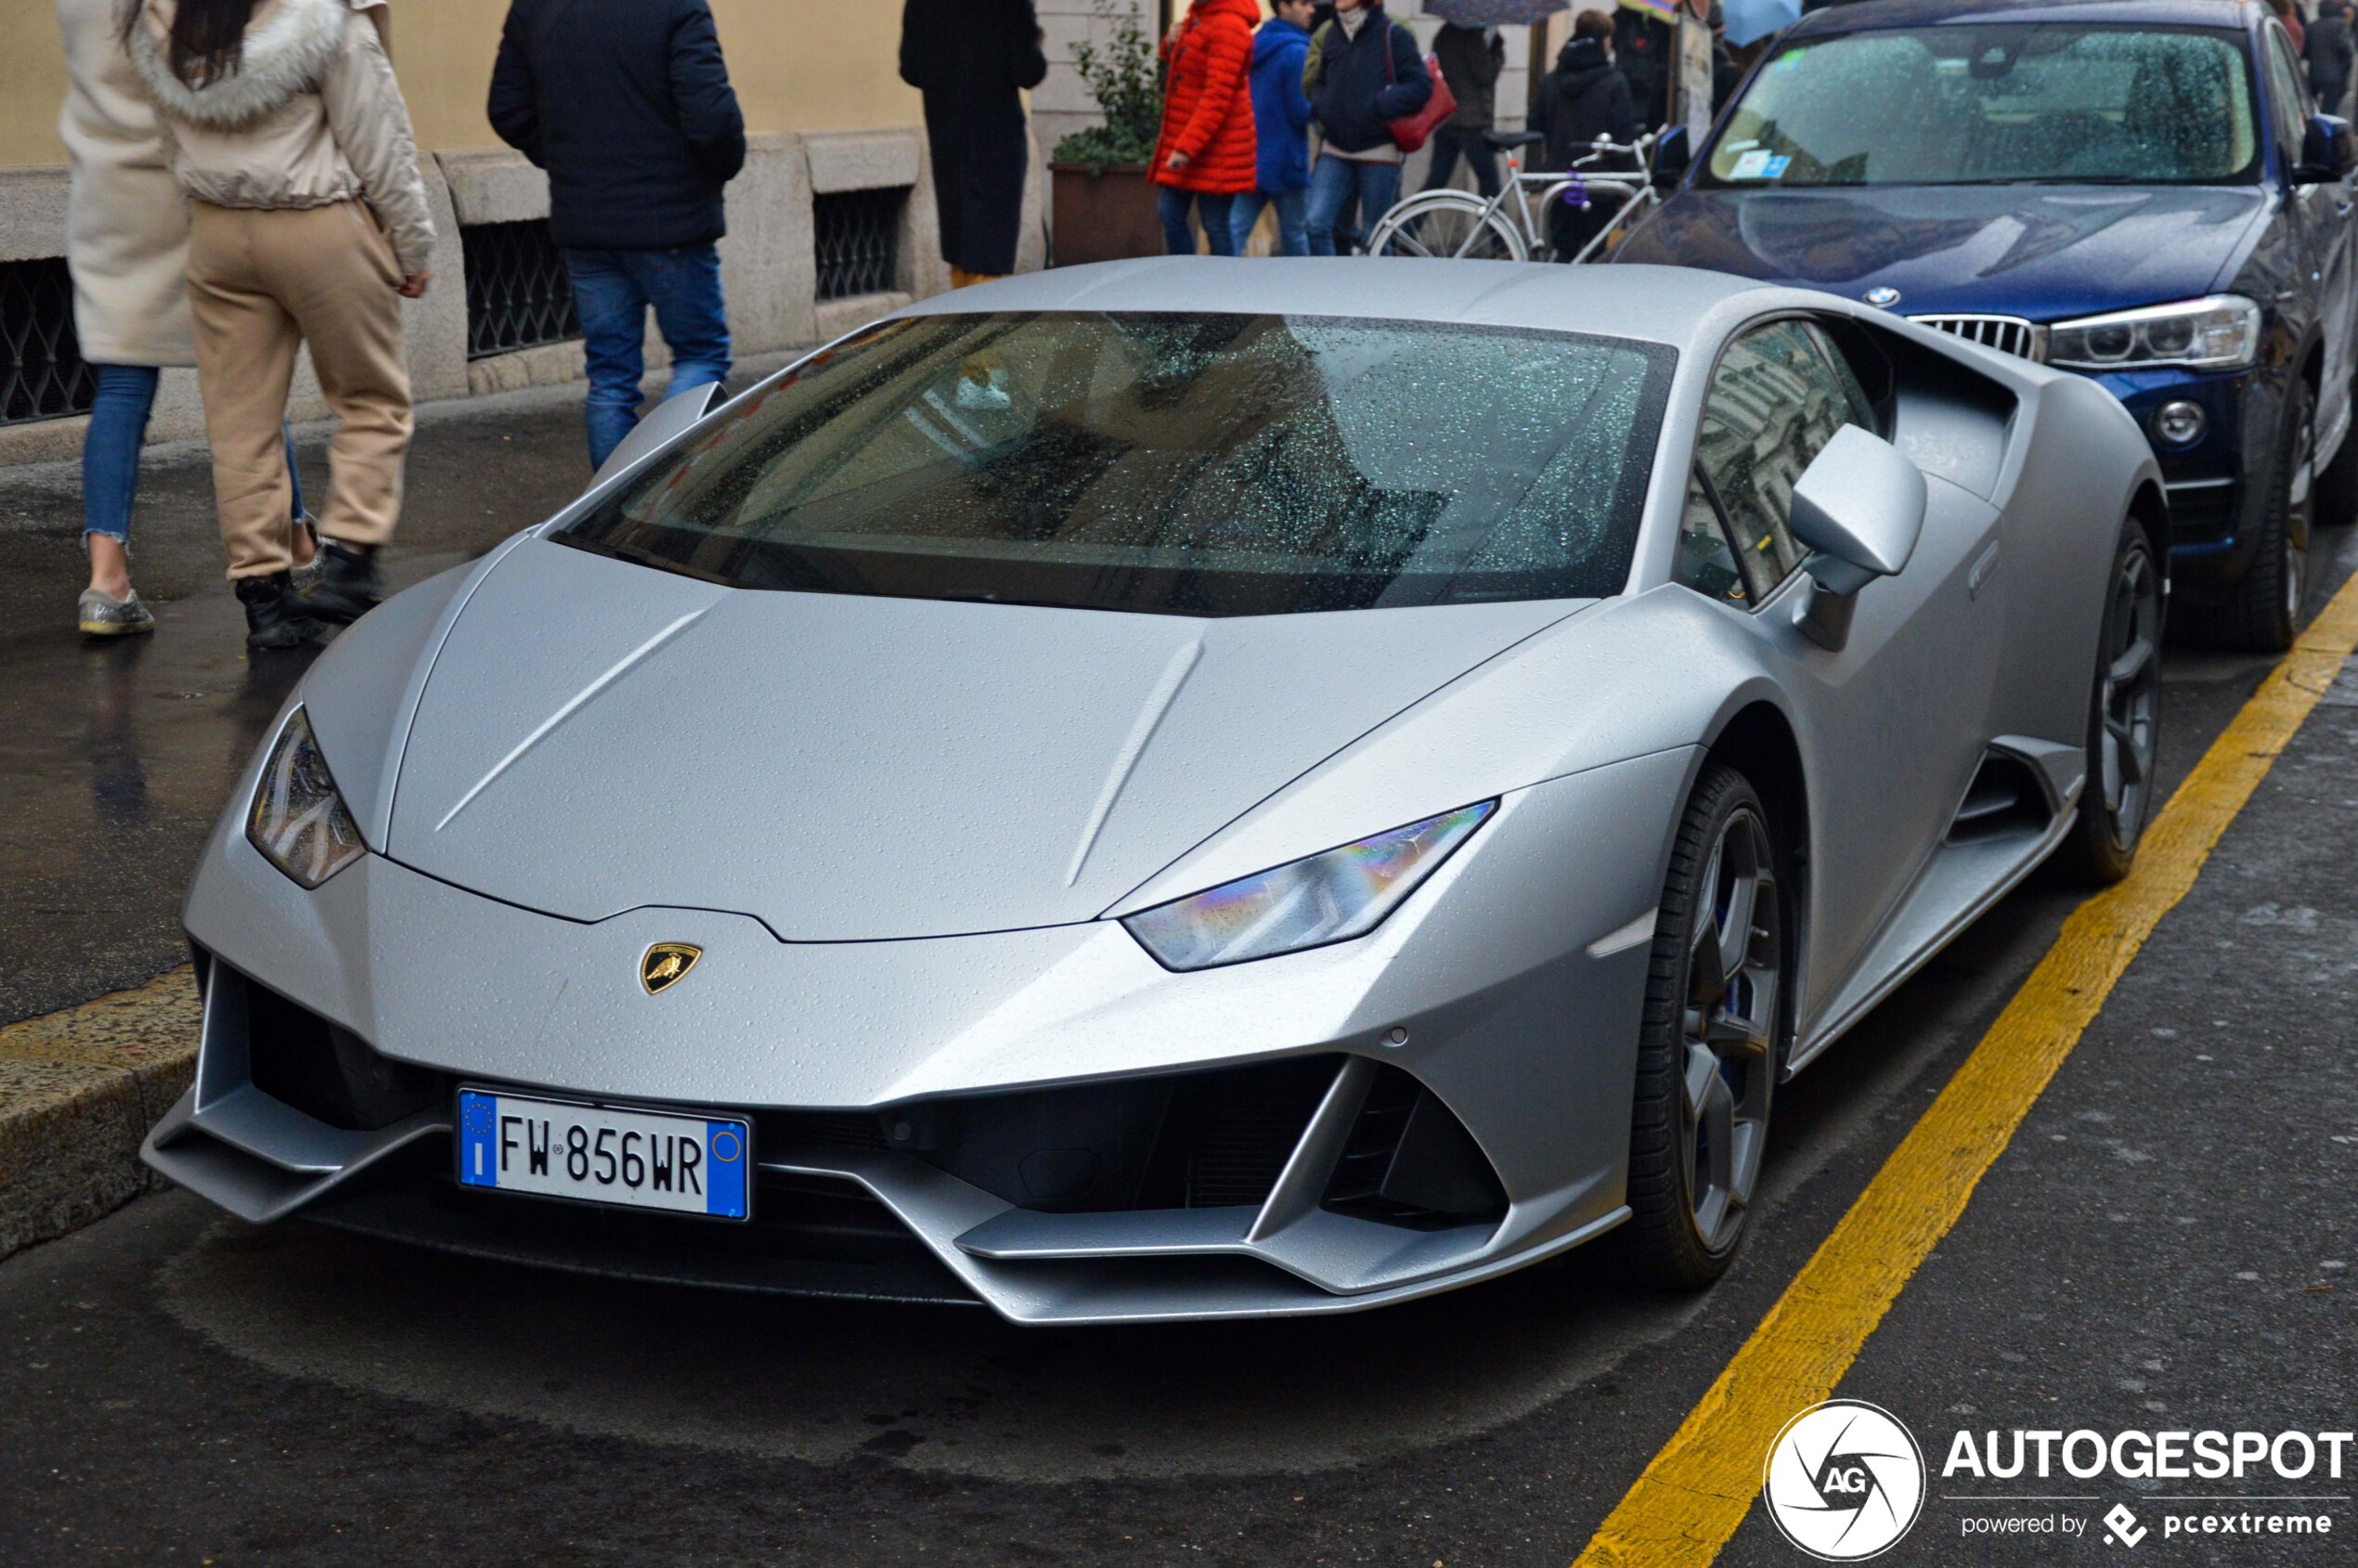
287, 45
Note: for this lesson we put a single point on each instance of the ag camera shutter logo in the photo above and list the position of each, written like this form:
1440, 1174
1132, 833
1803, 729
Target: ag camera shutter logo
1844, 1481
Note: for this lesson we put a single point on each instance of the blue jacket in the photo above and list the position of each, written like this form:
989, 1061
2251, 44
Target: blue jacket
1359, 85
626, 104
1280, 108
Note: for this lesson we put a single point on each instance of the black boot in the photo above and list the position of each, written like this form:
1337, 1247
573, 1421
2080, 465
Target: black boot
347, 588
273, 617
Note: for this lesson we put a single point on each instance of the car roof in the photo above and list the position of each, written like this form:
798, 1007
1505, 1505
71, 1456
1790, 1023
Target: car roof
1667, 305
1865, 13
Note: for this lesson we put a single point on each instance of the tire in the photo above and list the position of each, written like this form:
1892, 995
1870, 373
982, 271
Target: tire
2124, 721
1711, 1044
1446, 224
2263, 612
2334, 502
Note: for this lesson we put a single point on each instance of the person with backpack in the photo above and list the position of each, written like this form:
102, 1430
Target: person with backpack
1584, 98
308, 226
626, 104
1204, 159
1362, 72
1281, 130
2330, 51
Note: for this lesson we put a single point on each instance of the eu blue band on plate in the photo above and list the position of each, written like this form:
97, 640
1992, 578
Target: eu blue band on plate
725, 1185
478, 1152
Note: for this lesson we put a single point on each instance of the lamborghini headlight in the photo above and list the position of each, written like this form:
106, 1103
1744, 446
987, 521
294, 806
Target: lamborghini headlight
298, 821
1330, 898
2219, 332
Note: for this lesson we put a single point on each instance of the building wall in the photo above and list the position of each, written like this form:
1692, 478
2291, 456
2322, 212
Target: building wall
827, 111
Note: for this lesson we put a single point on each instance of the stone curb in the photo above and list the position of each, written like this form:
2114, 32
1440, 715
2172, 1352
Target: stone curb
78, 1090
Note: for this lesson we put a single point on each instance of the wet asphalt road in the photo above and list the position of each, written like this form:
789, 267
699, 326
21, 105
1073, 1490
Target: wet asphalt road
2154, 1249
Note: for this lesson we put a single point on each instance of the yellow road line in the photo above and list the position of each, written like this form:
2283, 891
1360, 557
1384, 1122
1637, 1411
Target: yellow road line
1697, 1489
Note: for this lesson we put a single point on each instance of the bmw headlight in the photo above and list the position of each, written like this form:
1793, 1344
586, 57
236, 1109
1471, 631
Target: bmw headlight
1330, 898
298, 821
2221, 332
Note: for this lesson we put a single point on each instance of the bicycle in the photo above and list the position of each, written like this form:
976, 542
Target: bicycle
1462, 225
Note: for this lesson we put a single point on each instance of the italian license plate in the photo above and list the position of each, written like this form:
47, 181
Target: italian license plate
598, 1154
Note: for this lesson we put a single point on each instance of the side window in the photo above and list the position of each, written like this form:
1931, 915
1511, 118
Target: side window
1705, 562
1775, 401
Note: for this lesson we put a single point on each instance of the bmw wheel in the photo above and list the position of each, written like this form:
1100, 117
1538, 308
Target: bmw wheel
2124, 721
2263, 612
1717, 997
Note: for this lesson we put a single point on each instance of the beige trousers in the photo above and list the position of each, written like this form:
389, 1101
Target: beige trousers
261, 283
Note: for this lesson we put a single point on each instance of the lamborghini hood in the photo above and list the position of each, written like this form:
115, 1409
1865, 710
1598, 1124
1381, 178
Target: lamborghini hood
597, 736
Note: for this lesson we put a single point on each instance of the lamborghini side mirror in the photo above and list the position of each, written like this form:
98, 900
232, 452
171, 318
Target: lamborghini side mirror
672, 416
1860, 508
2329, 153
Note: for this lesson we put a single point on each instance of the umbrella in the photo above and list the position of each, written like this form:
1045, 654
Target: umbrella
1495, 13
1748, 20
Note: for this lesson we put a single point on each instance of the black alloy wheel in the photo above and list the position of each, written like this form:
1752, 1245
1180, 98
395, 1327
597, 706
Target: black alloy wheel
2124, 721
1711, 1042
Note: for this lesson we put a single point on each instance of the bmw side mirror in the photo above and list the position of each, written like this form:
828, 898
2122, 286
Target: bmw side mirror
1671, 156
671, 416
2329, 153
1860, 508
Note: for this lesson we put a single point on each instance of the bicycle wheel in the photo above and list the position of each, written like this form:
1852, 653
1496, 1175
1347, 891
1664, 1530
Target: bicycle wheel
1447, 224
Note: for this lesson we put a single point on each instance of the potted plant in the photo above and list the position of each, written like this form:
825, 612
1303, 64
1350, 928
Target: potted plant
1105, 206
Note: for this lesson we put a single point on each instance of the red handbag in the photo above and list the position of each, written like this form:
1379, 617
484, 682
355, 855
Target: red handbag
1410, 131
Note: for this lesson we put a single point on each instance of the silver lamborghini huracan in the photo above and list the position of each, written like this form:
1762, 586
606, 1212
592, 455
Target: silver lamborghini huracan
1184, 788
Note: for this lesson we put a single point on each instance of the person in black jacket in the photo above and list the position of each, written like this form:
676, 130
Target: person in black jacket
2330, 50
1585, 96
1363, 72
626, 104
1645, 47
1471, 59
971, 59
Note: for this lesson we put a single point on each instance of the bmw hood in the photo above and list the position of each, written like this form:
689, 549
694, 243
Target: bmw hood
596, 736
2045, 251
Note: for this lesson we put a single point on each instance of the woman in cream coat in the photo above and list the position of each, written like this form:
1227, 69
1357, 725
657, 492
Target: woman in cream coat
290, 139
128, 247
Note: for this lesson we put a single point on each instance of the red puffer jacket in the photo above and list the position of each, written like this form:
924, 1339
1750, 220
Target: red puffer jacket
1206, 104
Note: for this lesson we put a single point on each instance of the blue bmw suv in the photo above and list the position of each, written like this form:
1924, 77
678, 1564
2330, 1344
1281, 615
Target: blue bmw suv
2141, 190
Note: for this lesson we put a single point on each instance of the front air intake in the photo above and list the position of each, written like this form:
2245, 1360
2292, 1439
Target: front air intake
1410, 1162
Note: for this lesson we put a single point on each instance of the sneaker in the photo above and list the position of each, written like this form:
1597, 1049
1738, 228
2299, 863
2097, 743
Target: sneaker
303, 577
102, 615
347, 588
272, 617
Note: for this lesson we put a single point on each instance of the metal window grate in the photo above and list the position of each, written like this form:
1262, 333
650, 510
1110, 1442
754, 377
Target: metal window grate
519, 294
42, 372
2007, 334
857, 236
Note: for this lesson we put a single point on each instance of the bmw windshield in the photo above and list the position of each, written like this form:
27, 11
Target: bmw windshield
1997, 103
1186, 465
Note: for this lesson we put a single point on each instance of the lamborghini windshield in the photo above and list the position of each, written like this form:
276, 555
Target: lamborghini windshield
1997, 103
1188, 465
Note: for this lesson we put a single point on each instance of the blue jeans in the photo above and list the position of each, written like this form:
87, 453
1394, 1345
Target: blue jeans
1179, 237
119, 413
612, 290
1293, 236
1334, 181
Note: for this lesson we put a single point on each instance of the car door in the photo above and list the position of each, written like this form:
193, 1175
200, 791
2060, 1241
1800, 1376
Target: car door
1897, 719
2321, 284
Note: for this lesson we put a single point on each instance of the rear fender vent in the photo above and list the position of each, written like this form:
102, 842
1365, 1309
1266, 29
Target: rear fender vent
325, 1070
1200, 1140
1410, 1162
2004, 800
